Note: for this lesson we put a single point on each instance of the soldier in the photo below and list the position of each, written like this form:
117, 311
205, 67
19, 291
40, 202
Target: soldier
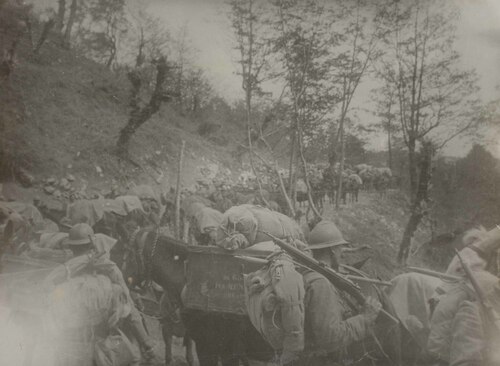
81, 243
327, 332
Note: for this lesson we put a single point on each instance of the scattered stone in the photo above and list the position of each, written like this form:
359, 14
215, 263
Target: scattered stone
157, 152
49, 189
63, 182
51, 180
57, 193
25, 178
70, 177
98, 169
70, 166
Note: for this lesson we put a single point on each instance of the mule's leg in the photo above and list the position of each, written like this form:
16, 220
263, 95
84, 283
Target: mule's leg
190, 350
207, 353
167, 339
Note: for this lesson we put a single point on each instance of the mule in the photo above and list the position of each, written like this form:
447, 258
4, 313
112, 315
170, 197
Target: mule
229, 338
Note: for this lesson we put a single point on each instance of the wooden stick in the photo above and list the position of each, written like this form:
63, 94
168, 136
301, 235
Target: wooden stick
178, 194
432, 273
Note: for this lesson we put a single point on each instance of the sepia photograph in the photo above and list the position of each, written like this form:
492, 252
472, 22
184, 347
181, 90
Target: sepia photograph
249, 182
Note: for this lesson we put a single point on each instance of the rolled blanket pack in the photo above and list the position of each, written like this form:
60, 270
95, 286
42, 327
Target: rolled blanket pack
244, 225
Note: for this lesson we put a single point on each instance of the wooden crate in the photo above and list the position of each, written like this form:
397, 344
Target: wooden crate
215, 279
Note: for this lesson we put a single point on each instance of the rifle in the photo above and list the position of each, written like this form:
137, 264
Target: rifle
338, 280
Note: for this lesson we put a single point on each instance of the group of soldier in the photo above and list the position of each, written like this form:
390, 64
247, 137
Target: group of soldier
330, 333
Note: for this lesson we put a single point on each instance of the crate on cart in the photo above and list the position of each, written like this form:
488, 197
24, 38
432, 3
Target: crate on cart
215, 278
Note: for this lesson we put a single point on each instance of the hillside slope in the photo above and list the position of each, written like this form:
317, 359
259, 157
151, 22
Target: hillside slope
61, 113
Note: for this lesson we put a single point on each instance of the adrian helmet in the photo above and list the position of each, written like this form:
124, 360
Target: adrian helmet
325, 234
80, 234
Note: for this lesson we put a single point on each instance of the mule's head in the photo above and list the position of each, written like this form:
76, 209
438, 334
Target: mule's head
153, 256
168, 261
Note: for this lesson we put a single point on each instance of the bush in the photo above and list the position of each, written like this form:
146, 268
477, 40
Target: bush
208, 128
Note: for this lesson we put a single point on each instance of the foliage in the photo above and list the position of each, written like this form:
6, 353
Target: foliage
103, 24
467, 191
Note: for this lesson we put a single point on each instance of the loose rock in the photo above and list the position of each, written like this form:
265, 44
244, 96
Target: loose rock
49, 189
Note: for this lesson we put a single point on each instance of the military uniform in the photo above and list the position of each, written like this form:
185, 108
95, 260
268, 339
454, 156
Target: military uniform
329, 332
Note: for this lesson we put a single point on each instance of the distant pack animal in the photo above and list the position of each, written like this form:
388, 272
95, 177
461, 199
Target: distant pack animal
352, 187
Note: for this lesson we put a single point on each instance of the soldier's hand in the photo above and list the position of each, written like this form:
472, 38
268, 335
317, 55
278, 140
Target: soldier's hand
372, 309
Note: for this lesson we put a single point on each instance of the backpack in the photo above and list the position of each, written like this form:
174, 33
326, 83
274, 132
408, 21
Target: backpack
274, 297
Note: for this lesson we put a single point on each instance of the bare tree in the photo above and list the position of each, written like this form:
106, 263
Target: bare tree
302, 45
361, 35
254, 52
436, 99
149, 39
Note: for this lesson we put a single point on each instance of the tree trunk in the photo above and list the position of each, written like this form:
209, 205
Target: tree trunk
419, 206
61, 11
341, 162
140, 115
112, 56
306, 179
389, 145
43, 37
178, 231
411, 227
69, 25
292, 162
412, 168
139, 60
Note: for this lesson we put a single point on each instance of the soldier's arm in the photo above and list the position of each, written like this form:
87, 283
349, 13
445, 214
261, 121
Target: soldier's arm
324, 313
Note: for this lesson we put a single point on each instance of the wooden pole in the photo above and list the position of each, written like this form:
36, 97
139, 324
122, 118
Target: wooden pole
178, 194
432, 273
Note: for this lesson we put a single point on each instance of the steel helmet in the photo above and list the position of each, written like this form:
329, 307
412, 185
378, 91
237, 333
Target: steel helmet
80, 234
325, 234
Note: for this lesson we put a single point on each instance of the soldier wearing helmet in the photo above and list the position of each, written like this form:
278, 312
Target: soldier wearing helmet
327, 331
79, 239
326, 243
81, 242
